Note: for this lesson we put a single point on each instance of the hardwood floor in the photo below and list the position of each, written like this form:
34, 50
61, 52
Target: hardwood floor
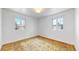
38, 43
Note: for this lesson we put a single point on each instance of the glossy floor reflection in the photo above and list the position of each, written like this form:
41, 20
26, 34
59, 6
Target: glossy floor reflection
37, 43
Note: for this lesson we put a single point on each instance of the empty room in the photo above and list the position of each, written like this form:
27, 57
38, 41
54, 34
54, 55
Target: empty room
39, 29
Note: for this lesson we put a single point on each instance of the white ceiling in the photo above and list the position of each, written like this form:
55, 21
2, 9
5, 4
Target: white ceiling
31, 12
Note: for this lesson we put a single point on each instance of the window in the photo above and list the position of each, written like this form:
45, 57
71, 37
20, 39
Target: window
54, 23
58, 23
19, 22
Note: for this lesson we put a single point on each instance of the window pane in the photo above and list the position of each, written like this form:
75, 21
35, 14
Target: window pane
60, 23
60, 20
18, 21
54, 21
22, 22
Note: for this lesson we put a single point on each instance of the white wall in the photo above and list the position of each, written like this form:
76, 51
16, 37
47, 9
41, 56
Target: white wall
8, 27
0, 27
77, 28
68, 33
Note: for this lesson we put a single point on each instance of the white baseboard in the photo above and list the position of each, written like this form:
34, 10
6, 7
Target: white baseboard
18, 39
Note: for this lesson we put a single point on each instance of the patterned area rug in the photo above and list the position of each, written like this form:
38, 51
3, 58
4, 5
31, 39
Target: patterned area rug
37, 44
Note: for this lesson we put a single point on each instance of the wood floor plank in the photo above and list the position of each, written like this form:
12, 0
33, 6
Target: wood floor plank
38, 43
